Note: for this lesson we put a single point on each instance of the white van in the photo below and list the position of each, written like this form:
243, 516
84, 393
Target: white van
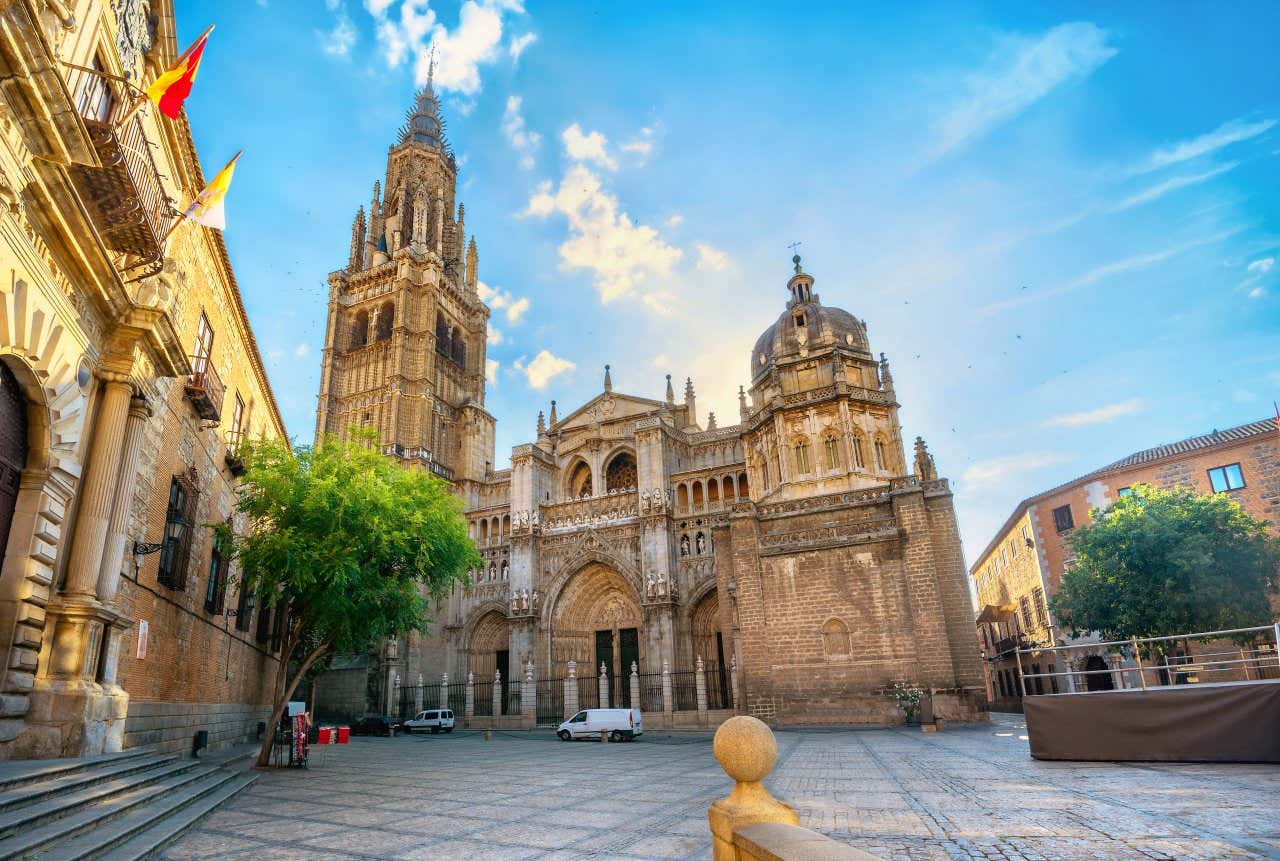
435, 720
621, 724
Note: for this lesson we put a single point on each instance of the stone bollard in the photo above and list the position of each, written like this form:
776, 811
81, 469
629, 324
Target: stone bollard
571, 691
529, 696
417, 696
635, 686
497, 695
700, 679
733, 680
444, 690
393, 700
668, 700
747, 751
604, 687
469, 704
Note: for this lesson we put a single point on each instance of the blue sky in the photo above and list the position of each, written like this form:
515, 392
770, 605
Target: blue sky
1061, 223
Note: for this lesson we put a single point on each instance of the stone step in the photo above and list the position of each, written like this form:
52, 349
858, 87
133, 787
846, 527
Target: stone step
61, 784
16, 774
52, 807
148, 827
43, 835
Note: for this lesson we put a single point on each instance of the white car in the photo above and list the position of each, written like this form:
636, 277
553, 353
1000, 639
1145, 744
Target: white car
620, 724
435, 720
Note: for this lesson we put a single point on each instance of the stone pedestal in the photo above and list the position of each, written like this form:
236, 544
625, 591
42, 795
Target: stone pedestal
470, 702
668, 695
635, 686
571, 691
604, 687
497, 695
700, 680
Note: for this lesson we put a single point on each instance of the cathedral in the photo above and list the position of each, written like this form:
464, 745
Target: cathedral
799, 563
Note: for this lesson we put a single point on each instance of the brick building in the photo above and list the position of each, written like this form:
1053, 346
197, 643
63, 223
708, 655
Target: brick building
128, 376
802, 545
1023, 564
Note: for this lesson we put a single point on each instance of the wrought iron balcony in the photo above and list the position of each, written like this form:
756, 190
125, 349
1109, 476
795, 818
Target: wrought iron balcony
124, 195
235, 463
205, 390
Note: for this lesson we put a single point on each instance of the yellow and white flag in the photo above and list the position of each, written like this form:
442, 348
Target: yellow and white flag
207, 208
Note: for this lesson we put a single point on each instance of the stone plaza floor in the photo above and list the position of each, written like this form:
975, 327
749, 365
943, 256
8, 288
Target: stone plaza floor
966, 793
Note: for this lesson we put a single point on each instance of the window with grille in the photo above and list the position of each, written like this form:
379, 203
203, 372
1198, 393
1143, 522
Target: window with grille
1062, 519
244, 608
1042, 607
1026, 613
216, 587
175, 547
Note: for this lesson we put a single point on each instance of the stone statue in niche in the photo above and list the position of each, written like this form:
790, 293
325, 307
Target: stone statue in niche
651, 588
684, 545
701, 544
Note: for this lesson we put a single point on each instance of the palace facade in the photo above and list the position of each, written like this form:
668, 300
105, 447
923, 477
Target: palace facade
805, 548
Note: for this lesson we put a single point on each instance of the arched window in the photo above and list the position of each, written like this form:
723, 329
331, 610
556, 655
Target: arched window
831, 453
743, 490
484, 531
682, 497
386, 319
881, 461
360, 330
835, 638
442, 335
506, 524
697, 495
801, 450
458, 350
858, 460
580, 481
620, 474
727, 484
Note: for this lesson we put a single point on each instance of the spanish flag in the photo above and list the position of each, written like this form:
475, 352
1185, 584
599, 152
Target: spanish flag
171, 89
207, 208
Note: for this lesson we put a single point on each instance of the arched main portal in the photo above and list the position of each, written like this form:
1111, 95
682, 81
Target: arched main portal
489, 647
13, 448
596, 619
708, 644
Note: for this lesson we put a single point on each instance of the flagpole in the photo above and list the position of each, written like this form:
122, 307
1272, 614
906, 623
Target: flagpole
142, 98
182, 214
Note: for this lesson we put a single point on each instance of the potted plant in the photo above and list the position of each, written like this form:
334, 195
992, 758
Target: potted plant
908, 700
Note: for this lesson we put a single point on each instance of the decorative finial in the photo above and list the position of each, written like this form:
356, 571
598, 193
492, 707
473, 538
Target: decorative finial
795, 255
608, 381
542, 424
431, 67
742, 403
711, 421
553, 414
925, 468
671, 395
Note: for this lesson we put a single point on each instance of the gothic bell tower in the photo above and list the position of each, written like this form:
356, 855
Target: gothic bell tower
404, 349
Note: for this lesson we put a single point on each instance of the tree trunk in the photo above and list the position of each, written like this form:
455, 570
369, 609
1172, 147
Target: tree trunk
264, 755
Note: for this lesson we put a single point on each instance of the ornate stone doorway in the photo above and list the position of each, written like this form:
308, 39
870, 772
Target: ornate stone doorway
596, 619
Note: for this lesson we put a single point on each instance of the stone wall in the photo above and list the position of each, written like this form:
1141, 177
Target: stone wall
170, 727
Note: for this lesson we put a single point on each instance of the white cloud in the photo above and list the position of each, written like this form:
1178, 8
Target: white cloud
1261, 267
339, 41
1226, 134
543, 368
302, 350
660, 360
640, 146
1257, 293
710, 258
516, 310
1177, 182
622, 256
1022, 71
1097, 416
494, 338
459, 53
588, 147
987, 473
675, 220
491, 371
522, 140
518, 44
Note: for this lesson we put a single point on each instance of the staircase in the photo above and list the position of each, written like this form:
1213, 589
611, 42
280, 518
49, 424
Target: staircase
117, 807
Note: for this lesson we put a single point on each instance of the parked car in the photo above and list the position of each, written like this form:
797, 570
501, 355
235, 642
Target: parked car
435, 720
376, 725
621, 724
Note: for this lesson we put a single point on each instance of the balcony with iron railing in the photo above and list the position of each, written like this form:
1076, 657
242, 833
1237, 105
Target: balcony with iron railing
235, 463
125, 196
205, 389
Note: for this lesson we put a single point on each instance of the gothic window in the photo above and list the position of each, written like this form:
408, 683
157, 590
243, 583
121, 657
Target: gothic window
621, 472
831, 452
458, 350
360, 330
697, 495
858, 460
386, 318
727, 484
835, 638
713, 491
881, 460
743, 490
682, 497
802, 456
580, 481
442, 335
484, 531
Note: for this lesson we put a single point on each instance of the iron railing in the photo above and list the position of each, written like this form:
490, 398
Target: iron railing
205, 389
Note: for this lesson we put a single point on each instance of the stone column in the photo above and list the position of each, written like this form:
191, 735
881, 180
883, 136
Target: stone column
635, 686
604, 687
700, 679
668, 698
733, 680
126, 480
393, 696
469, 707
444, 691
571, 691
497, 694
417, 695
529, 695
98, 489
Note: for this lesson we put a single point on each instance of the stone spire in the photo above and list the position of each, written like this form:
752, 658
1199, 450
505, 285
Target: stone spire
358, 230
691, 408
926, 470
473, 263
542, 424
671, 395
553, 414
461, 232
608, 380
886, 379
711, 421
742, 403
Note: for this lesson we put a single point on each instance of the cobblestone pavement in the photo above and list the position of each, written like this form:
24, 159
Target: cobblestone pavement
966, 793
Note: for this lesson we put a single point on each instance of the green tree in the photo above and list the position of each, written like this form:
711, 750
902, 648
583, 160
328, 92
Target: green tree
1163, 562
349, 546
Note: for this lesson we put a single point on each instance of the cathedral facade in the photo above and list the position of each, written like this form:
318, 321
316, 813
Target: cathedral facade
801, 557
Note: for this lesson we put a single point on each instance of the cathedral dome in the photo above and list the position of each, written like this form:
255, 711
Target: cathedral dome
806, 325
